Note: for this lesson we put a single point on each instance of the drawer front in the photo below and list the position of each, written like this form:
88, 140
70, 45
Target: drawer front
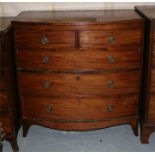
111, 40
153, 81
5, 119
78, 108
45, 40
153, 55
3, 101
3, 84
78, 59
79, 84
151, 113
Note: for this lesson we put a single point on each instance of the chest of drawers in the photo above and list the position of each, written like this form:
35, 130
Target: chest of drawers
148, 94
79, 70
9, 117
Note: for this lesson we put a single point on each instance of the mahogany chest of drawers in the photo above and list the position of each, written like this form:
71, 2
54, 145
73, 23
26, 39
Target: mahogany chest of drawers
148, 93
79, 70
8, 95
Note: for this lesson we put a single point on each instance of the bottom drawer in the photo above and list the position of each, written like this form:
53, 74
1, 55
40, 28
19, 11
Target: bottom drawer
3, 101
79, 109
5, 119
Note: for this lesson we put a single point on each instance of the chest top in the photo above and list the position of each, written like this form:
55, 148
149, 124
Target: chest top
147, 11
5, 24
77, 16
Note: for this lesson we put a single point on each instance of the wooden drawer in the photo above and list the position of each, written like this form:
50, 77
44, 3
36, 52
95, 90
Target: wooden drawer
4, 80
151, 113
3, 101
3, 84
78, 59
153, 81
111, 40
79, 84
45, 40
153, 55
5, 119
60, 109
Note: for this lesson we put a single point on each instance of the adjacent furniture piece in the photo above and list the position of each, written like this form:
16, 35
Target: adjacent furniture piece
1, 137
8, 95
148, 94
79, 70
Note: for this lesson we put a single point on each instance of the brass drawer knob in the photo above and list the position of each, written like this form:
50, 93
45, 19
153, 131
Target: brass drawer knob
111, 39
109, 108
110, 84
46, 84
45, 59
110, 58
44, 40
49, 108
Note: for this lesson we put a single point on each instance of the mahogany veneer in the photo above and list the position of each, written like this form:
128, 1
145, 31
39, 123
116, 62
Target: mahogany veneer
148, 94
79, 70
9, 117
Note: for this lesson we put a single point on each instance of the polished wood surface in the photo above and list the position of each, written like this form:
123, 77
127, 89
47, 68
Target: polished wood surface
74, 85
57, 109
91, 16
78, 59
122, 39
5, 23
147, 11
148, 82
3, 101
79, 70
5, 119
60, 39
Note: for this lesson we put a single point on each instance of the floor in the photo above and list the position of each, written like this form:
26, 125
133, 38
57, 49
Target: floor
117, 139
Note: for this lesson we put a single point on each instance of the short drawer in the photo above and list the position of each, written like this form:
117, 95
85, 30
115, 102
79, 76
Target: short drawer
45, 40
78, 109
110, 84
5, 119
111, 40
3, 101
78, 59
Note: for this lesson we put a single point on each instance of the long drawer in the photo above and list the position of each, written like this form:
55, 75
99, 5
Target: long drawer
79, 84
3, 101
45, 40
78, 108
78, 59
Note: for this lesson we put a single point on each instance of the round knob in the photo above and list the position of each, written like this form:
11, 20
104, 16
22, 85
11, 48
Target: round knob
110, 108
44, 40
45, 59
111, 39
110, 84
49, 108
110, 58
47, 84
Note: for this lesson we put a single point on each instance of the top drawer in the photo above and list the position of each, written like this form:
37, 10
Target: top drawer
108, 40
41, 39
